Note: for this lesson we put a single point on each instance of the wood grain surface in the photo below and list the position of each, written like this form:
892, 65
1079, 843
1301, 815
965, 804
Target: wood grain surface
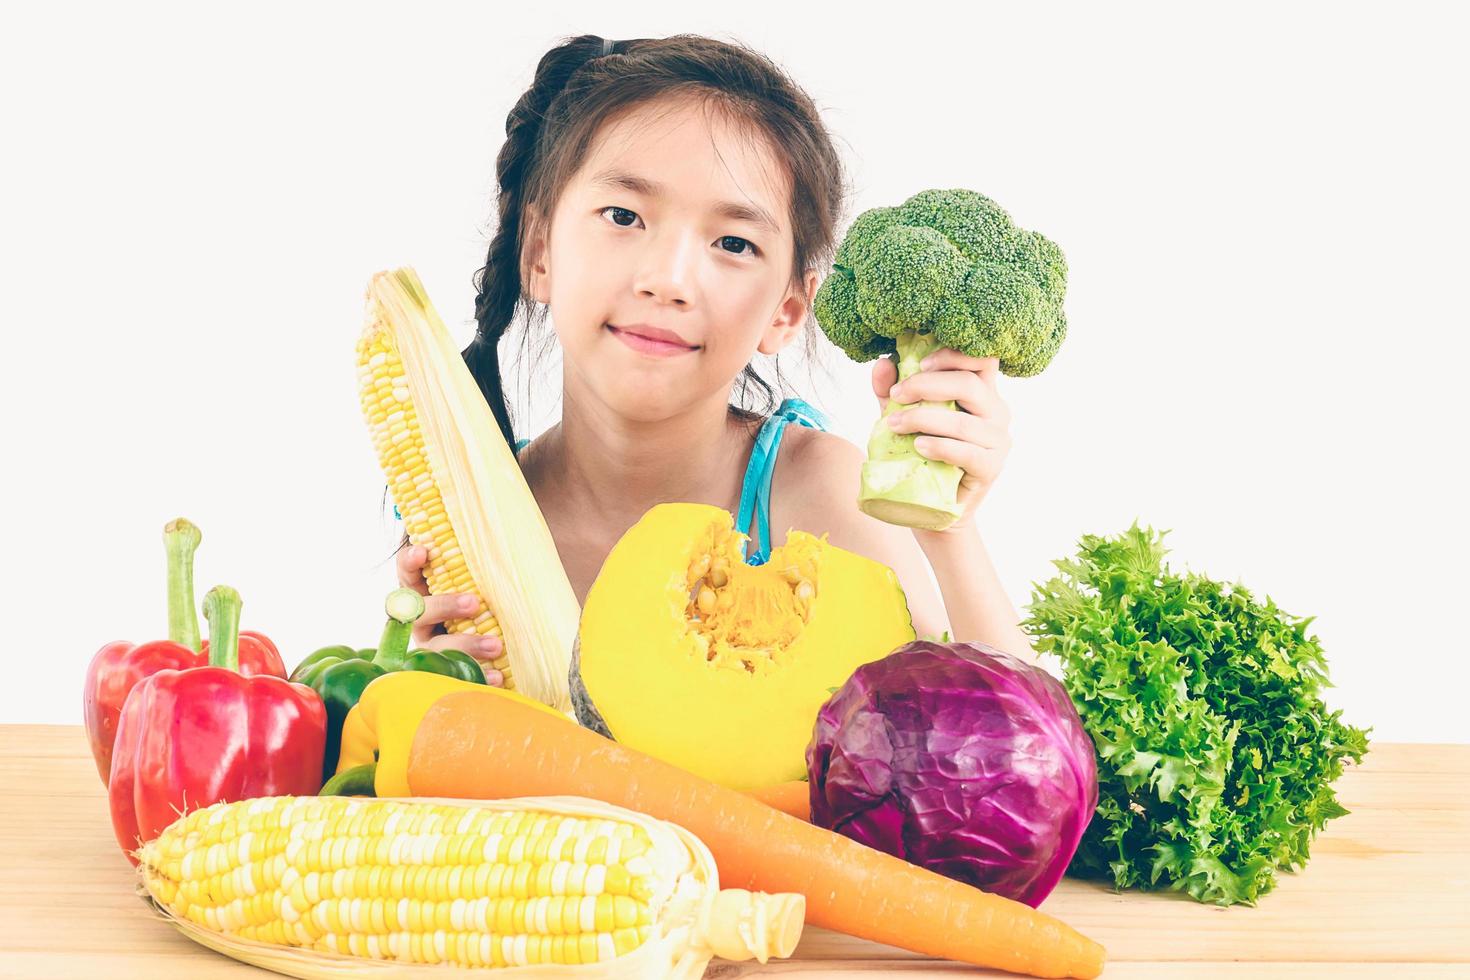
1387, 892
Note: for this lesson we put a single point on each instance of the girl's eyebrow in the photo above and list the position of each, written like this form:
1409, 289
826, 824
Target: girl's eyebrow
648, 188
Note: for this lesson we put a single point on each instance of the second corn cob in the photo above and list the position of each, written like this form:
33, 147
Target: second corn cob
292, 883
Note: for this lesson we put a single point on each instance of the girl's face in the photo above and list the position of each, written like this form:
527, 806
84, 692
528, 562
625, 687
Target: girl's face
669, 262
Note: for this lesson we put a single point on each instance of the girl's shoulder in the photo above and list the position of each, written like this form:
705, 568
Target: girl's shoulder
815, 480
810, 455
807, 444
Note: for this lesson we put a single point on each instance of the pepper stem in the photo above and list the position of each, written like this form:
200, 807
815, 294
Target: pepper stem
180, 539
404, 607
357, 781
222, 610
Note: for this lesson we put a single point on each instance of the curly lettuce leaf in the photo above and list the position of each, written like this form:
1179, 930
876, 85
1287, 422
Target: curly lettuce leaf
1216, 754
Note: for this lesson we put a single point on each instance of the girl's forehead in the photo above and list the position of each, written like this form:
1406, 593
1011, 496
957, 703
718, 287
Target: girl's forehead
690, 152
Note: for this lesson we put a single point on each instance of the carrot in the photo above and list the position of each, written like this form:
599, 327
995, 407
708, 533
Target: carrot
468, 747
793, 798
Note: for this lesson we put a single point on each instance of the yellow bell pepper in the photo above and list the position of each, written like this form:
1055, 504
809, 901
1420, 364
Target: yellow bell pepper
378, 731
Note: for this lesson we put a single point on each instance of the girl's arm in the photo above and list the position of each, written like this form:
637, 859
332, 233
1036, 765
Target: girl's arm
978, 606
976, 438
824, 477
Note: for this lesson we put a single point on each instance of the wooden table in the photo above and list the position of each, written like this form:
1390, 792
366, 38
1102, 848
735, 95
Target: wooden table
1387, 892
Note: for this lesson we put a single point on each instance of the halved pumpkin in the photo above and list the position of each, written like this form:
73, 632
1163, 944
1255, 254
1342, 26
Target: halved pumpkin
687, 653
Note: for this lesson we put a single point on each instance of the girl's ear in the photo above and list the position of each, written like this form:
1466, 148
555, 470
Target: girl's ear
790, 315
535, 269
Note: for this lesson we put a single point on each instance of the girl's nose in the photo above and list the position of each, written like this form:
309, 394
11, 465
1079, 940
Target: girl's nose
667, 266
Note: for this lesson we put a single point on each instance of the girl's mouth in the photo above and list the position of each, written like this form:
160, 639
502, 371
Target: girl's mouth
662, 345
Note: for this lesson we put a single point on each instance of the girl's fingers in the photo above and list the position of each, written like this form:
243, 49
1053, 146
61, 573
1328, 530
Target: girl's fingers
451, 605
966, 455
885, 372
936, 421
976, 438
948, 359
485, 649
438, 609
965, 388
410, 564
989, 370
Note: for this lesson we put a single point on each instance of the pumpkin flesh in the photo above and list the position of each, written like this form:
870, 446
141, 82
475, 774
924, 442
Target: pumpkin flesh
719, 667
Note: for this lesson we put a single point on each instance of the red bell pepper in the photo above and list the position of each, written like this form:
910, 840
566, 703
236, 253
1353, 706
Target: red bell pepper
192, 738
120, 665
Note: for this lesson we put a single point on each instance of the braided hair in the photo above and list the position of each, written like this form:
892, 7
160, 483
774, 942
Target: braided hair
581, 84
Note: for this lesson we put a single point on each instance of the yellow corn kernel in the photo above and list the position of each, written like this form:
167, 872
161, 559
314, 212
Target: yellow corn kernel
432, 429
428, 882
352, 887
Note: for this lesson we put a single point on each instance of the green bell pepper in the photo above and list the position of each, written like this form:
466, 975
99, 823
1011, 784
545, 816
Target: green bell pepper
450, 663
311, 668
340, 673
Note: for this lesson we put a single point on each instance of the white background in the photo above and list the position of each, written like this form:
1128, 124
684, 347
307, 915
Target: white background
1264, 209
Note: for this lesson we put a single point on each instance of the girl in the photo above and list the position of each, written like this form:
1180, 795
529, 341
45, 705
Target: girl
670, 202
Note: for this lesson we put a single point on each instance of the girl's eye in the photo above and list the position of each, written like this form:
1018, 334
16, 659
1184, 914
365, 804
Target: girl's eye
731, 238
619, 213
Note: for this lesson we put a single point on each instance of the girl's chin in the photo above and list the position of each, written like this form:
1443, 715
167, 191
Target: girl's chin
646, 399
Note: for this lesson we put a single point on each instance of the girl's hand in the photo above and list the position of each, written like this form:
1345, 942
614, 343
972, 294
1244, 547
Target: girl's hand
976, 438
428, 632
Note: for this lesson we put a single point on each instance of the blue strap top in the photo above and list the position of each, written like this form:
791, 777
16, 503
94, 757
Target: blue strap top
755, 492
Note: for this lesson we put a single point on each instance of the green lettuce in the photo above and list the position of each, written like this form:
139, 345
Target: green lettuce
1216, 754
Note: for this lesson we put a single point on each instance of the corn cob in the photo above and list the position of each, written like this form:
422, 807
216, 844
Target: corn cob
299, 884
460, 491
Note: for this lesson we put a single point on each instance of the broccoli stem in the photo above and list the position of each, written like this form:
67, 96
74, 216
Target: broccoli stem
913, 346
898, 485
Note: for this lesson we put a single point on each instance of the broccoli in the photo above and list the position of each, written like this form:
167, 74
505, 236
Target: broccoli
947, 268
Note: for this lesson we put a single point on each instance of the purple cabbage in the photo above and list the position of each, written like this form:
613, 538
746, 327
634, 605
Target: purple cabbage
961, 759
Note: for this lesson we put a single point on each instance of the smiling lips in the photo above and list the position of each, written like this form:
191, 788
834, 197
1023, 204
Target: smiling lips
653, 341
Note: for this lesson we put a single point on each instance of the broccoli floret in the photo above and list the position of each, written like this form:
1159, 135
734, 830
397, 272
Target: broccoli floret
947, 268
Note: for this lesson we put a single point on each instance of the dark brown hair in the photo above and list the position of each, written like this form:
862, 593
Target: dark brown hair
579, 86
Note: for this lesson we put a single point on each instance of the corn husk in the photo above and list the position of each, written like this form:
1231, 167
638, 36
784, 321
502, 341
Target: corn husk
501, 532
